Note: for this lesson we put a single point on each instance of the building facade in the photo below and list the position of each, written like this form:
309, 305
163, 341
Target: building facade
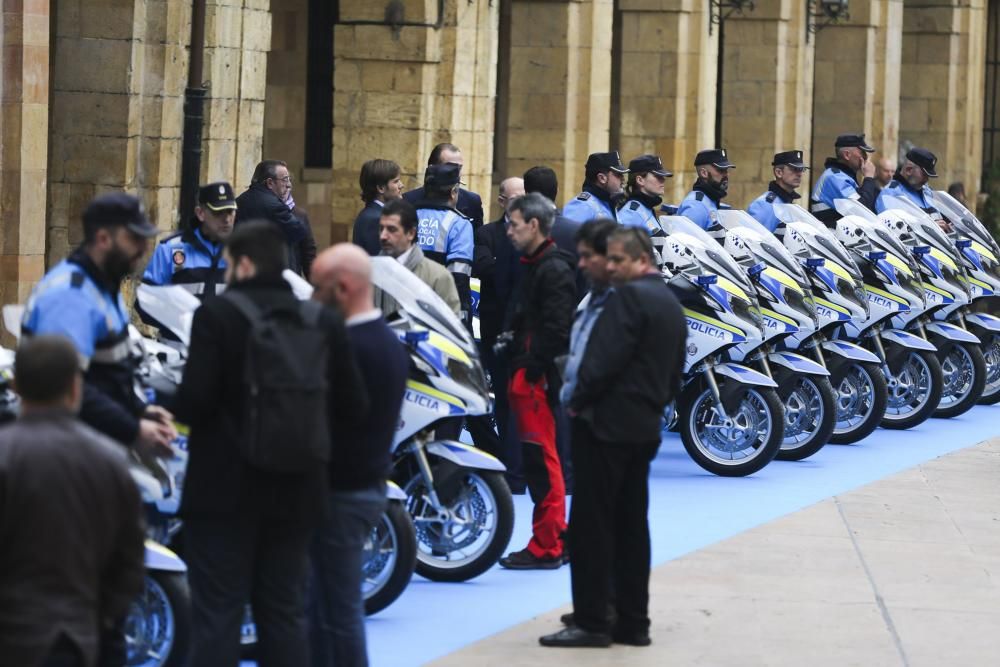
92, 95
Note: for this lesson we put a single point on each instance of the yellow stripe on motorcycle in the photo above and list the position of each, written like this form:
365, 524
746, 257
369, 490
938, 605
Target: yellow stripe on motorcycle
837, 270
431, 391
160, 549
887, 295
983, 250
943, 258
438, 341
714, 322
832, 306
898, 264
979, 283
732, 288
782, 278
767, 312
936, 290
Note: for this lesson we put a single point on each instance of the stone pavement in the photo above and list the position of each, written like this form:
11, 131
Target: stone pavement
903, 571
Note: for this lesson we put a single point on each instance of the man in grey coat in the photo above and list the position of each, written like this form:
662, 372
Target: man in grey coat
71, 535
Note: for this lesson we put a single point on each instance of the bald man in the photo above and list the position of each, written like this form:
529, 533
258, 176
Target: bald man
884, 170
360, 463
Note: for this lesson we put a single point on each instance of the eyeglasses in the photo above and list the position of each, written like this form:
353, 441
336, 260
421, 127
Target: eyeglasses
286, 179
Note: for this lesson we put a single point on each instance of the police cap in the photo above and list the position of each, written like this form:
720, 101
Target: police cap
217, 196
853, 141
789, 159
117, 209
713, 156
648, 164
443, 175
598, 163
924, 159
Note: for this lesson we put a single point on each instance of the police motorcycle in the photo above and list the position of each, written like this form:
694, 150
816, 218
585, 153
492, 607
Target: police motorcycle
980, 256
948, 293
892, 281
840, 298
456, 494
158, 623
788, 309
390, 550
730, 417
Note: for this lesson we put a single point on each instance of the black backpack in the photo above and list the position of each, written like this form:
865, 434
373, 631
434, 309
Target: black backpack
284, 426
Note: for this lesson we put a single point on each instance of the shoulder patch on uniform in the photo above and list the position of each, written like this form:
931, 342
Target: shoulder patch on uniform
634, 206
178, 257
76, 279
583, 196
770, 197
699, 195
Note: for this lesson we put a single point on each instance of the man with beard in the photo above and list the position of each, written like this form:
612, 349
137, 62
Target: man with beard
910, 182
80, 299
646, 180
193, 258
788, 170
839, 179
705, 199
602, 189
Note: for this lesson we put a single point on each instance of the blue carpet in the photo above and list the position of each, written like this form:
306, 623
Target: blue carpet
689, 509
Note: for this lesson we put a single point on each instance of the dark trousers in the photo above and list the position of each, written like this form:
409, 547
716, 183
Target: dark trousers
337, 607
510, 443
609, 531
64, 653
240, 559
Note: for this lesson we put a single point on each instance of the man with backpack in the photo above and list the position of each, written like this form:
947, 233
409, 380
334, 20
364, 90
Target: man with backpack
264, 372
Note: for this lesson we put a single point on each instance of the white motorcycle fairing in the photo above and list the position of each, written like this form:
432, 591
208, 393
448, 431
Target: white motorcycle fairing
797, 363
984, 320
850, 351
952, 332
744, 375
906, 339
464, 455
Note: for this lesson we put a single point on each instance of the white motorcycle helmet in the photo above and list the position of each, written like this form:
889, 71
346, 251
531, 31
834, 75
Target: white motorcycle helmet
900, 223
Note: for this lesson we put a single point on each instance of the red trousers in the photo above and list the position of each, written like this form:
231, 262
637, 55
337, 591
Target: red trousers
542, 469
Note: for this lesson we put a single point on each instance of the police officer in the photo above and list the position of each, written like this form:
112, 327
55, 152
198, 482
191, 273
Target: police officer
80, 299
705, 198
788, 170
193, 258
602, 189
444, 234
910, 181
839, 180
646, 180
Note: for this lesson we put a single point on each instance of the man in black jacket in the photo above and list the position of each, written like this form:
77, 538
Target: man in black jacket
247, 530
469, 203
540, 320
266, 199
630, 372
380, 184
360, 462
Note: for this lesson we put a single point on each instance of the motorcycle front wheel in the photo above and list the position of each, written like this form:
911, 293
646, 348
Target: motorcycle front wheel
991, 355
963, 370
389, 559
914, 392
810, 414
158, 625
473, 533
861, 399
736, 445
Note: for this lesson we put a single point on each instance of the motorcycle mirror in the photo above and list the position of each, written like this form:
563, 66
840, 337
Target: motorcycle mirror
876, 255
815, 262
921, 250
415, 337
756, 269
962, 244
707, 280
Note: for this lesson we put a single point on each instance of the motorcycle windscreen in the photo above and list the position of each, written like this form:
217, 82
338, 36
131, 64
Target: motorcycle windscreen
768, 244
419, 302
712, 255
846, 207
922, 223
831, 245
170, 305
963, 219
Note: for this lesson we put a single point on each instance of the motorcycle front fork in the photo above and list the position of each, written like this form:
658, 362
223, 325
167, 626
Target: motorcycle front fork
417, 448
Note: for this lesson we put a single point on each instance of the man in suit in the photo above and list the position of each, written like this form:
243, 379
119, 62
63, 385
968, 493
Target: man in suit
469, 203
266, 199
630, 371
380, 184
71, 538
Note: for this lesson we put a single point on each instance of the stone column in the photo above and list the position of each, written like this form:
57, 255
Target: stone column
857, 79
24, 109
667, 110
941, 105
766, 93
398, 92
119, 71
560, 93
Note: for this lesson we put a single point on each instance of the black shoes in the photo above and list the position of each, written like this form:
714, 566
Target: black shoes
575, 637
617, 636
525, 560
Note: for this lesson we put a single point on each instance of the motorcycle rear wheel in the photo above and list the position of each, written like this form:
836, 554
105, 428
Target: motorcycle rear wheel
158, 625
394, 539
743, 447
